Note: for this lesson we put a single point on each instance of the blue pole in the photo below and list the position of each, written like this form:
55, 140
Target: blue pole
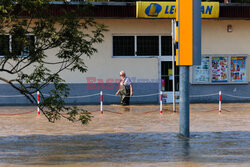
184, 101
197, 32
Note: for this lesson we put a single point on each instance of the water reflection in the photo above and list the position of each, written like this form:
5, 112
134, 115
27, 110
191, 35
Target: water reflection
184, 148
125, 147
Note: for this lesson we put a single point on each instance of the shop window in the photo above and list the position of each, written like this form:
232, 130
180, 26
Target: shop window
147, 45
166, 45
19, 46
123, 46
22, 47
221, 69
167, 76
142, 46
4, 45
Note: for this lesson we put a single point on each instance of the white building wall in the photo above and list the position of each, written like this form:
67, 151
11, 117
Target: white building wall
103, 66
215, 40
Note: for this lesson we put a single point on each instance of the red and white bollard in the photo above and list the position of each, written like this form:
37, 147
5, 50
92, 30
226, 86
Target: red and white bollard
38, 102
101, 102
161, 103
219, 101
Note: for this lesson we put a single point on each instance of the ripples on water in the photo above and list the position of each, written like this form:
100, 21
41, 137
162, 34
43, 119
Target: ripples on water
127, 139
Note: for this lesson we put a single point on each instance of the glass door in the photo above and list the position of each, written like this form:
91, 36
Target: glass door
166, 76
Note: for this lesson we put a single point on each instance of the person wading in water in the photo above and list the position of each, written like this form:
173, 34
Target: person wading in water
125, 89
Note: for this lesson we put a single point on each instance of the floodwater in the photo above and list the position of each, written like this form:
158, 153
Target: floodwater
127, 136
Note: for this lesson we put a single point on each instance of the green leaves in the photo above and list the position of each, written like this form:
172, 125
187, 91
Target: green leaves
42, 46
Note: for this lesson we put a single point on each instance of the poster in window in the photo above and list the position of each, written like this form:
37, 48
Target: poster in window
238, 69
163, 84
201, 73
219, 69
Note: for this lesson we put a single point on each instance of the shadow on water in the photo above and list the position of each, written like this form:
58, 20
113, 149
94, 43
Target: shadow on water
222, 147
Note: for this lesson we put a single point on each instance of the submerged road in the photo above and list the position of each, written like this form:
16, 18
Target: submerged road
127, 136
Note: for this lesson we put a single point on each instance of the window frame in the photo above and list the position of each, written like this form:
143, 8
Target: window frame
122, 36
158, 36
135, 47
171, 44
229, 56
10, 44
10, 47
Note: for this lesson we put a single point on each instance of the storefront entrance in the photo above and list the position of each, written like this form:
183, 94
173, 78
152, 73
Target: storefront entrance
166, 79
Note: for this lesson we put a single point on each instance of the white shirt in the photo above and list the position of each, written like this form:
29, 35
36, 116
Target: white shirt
126, 82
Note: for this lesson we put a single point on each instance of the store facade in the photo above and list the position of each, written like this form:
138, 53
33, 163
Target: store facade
143, 49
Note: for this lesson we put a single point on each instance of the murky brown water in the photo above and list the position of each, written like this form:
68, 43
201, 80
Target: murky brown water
127, 136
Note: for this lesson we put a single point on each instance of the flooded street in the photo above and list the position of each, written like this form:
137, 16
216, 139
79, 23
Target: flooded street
127, 136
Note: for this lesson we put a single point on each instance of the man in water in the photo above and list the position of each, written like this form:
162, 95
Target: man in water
125, 89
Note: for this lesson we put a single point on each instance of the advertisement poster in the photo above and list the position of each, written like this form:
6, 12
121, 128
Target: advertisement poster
170, 73
238, 69
201, 73
163, 84
219, 69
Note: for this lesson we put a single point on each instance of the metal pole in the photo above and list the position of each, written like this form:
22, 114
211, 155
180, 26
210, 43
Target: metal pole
184, 101
161, 104
101, 102
219, 101
173, 60
38, 102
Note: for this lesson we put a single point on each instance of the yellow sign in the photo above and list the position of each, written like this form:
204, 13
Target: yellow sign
185, 32
170, 72
188, 28
210, 9
168, 9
